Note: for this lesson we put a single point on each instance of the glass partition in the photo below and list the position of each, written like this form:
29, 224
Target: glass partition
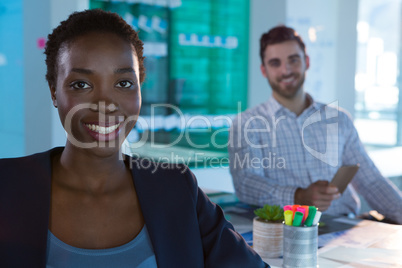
378, 107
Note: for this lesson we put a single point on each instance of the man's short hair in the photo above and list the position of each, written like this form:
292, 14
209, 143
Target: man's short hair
279, 34
81, 23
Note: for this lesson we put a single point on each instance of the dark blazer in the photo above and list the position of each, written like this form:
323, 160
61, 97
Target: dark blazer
186, 229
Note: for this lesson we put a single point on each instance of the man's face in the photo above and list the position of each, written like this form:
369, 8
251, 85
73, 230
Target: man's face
285, 67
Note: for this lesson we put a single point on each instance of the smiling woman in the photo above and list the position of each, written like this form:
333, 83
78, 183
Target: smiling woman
109, 84
86, 204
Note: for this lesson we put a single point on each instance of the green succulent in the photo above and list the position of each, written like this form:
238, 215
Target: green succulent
270, 213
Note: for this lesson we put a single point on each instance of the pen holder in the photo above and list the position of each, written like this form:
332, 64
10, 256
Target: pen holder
300, 246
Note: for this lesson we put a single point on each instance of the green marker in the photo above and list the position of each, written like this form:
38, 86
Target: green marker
311, 214
298, 218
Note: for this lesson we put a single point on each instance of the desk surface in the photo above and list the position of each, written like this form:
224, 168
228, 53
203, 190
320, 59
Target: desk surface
367, 244
343, 242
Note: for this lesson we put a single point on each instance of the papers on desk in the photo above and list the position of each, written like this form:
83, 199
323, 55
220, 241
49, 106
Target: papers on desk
344, 257
362, 257
363, 235
368, 244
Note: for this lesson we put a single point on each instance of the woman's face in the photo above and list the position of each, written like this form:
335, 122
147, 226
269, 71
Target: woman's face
98, 91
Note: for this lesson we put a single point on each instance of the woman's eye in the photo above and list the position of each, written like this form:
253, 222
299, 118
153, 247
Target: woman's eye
80, 85
124, 84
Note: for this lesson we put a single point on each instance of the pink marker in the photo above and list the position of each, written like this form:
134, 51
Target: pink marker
302, 210
288, 207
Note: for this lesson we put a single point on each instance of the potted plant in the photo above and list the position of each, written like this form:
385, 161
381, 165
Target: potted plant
268, 231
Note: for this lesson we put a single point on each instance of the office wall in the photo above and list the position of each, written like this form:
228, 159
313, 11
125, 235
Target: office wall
347, 15
12, 125
37, 105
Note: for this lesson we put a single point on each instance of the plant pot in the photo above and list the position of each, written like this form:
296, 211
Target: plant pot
267, 238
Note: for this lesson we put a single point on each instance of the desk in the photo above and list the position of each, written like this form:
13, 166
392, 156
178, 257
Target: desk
343, 242
367, 244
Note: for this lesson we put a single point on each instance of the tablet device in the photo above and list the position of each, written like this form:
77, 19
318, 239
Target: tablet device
343, 176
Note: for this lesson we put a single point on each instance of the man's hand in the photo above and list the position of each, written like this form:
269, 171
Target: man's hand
319, 194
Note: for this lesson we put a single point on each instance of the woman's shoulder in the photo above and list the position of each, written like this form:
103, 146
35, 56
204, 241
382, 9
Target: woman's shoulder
16, 161
27, 164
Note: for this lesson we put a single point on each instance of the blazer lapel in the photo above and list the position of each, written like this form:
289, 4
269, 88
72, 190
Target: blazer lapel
148, 201
151, 192
165, 215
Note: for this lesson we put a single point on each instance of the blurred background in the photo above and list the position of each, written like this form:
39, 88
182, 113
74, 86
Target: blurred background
202, 56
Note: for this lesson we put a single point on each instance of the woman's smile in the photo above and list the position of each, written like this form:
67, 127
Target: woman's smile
103, 133
102, 130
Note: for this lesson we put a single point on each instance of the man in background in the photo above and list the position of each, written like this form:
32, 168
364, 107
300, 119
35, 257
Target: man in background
286, 150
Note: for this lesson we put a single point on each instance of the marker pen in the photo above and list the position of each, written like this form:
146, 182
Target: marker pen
311, 214
302, 210
287, 207
288, 214
297, 219
306, 211
294, 209
317, 217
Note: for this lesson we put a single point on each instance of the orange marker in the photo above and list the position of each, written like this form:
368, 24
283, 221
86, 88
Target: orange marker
294, 209
306, 208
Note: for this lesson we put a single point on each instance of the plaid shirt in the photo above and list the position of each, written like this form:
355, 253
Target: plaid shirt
273, 152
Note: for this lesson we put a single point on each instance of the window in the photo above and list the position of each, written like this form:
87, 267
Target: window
377, 81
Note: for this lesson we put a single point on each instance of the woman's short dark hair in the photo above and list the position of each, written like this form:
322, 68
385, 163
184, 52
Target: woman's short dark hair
278, 35
80, 23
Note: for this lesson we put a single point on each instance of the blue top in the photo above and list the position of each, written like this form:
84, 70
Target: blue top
136, 253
